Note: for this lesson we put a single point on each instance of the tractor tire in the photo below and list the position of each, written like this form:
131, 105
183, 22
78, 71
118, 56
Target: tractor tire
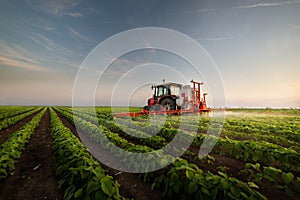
155, 107
146, 108
168, 104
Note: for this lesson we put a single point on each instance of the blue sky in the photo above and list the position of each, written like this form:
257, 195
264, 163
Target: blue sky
255, 45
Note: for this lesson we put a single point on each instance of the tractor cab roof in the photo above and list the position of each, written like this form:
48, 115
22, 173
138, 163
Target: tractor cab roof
169, 84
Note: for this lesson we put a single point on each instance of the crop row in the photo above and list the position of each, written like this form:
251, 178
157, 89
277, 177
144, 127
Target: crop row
285, 127
171, 132
270, 177
80, 175
283, 131
9, 112
182, 179
248, 151
241, 129
251, 151
11, 150
12, 120
122, 129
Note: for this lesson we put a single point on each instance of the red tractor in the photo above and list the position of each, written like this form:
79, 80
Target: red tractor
173, 98
177, 97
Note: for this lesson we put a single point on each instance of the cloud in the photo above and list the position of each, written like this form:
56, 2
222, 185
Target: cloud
49, 44
20, 64
57, 8
74, 14
296, 26
190, 12
19, 57
119, 66
35, 22
75, 34
267, 4
40, 32
72, 64
215, 38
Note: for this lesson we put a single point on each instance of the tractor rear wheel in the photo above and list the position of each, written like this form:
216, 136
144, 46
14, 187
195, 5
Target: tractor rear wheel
169, 104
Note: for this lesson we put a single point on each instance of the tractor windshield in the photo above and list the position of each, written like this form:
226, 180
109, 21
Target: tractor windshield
161, 90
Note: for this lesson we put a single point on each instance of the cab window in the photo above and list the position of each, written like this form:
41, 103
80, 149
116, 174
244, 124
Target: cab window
162, 91
174, 90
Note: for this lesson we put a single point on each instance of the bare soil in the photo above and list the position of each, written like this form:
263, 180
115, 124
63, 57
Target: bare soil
233, 166
33, 177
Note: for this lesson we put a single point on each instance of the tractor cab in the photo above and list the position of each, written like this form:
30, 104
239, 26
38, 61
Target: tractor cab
171, 89
165, 95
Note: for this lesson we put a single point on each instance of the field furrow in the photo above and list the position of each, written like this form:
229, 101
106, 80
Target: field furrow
7, 122
4, 134
33, 176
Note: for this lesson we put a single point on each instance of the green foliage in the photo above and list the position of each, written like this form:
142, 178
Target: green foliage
183, 179
80, 175
265, 139
270, 177
14, 119
262, 152
10, 111
11, 150
186, 181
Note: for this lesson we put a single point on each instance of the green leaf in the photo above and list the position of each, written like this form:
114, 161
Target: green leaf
205, 191
163, 161
192, 187
100, 195
59, 170
92, 186
251, 184
235, 192
255, 158
106, 186
78, 193
5, 157
287, 177
297, 184
257, 166
269, 178
224, 183
174, 177
176, 188
214, 193
232, 196
223, 174
189, 174
271, 159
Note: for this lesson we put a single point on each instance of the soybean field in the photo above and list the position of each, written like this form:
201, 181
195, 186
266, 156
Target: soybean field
45, 153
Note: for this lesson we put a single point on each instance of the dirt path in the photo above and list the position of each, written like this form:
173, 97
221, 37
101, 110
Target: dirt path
4, 134
34, 176
131, 185
233, 166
